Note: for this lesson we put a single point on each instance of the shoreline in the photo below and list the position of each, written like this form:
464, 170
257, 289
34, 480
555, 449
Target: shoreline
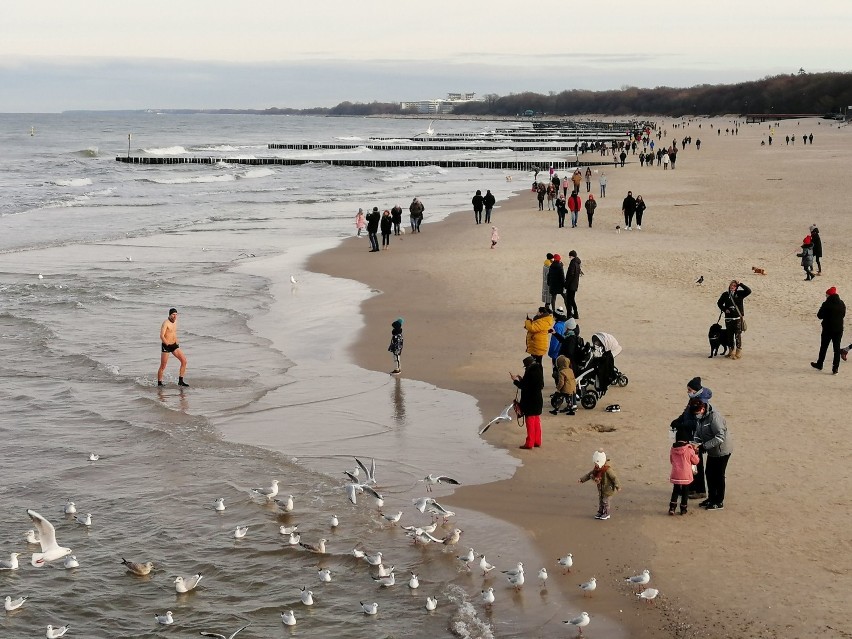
464, 307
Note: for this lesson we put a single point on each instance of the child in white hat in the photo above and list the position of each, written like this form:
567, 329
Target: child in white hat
607, 482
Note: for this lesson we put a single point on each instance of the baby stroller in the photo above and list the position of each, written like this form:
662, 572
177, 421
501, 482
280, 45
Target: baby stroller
599, 371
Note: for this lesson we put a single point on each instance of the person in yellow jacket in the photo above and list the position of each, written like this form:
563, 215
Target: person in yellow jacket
538, 336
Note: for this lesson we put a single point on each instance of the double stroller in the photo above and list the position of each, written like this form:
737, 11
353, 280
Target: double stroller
597, 371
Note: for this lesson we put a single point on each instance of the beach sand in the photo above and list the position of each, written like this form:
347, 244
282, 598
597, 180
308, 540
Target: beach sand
776, 562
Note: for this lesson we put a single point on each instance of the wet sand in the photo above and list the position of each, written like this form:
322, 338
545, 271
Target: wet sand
728, 207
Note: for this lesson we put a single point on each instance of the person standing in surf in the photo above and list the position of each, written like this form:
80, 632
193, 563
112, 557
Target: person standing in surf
169, 344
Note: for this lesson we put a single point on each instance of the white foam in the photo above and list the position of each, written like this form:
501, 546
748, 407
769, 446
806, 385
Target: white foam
350, 138
168, 150
73, 182
256, 173
199, 179
465, 622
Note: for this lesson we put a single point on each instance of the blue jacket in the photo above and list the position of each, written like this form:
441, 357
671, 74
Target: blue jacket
555, 344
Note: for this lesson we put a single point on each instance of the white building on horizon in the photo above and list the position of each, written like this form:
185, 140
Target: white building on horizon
440, 106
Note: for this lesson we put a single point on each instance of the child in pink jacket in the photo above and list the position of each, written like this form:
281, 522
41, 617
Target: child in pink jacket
682, 457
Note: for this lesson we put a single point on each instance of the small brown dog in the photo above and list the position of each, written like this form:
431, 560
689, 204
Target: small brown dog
758, 271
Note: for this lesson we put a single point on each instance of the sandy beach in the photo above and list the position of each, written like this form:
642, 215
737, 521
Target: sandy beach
776, 561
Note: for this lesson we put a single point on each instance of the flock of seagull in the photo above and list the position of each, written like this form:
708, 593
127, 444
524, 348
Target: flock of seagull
44, 535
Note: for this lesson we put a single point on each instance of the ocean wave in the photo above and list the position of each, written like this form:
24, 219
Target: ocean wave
73, 182
167, 150
350, 138
198, 179
217, 147
91, 152
256, 173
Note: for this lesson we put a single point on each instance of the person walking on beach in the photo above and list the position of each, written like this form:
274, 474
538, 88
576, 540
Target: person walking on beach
602, 183
545, 288
574, 205
572, 284
415, 211
541, 192
576, 180
731, 304
816, 243
591, 205
588, 179
495, 236
360, 222
711, 437
531, 402
628, 208
640, 209
395, 348
832, 312
396, 218
606, 480
489, 201
386, 225
561, 211
807, 256
373, 219
538, 336
169, 345
478, 205
556, 280
566, 183
683, 458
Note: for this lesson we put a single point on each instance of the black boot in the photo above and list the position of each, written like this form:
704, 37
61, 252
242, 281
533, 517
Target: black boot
672, 506
683, 509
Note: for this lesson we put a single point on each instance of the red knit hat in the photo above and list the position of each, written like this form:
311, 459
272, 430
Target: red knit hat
807, 239
831, 291
557, 258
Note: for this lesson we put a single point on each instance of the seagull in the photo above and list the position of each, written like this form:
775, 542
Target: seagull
700, 280
502, 417
639, 580
50, 550
518, 570
71, 562
488, 596
288, 530
185, 584
55, 633
358, 554
649, 594
293, 279
485, 566
352, 491
414, 582
269, 493
70, 508
394, 519
384, 572
288, 618
438, 511
317, 548
136, 568
165, 619
422, 536
240, 532
467, 558
286, 504
295, 539
373, 560
93, 457
431, 480
421, 503
370, 473
589, 586
220, 636
12, 564
380, 501
32, 537
14, 604
385, 582
307, 597
219, 505
542, 577
453, 538
41, 277
566, 562
128, 258
369, 608
324, 575
428, 132
431, 603
335, 522
84, 520
580, 622
517, 581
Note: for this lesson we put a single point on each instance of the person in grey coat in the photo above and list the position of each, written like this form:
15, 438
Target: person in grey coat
711, 437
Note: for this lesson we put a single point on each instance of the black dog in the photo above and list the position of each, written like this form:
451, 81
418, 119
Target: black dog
718, 338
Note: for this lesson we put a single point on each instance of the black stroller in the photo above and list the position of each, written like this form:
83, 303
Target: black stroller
599, 371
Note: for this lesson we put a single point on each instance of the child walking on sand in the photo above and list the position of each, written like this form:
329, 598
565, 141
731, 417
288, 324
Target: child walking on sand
606, 480
395, 347
360, 221
495, 236
683, 459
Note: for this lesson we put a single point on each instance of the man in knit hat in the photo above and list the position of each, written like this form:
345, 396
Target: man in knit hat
832, 312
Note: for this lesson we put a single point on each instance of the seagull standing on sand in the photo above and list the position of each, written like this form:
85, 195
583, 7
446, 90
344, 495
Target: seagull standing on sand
431, 480
185, 584
649, 594
14, 604
269, 493
485, 566
517, 570
50, 550
542, 577
516, 581
579, 622
502, 417
589, 587
488, 597
639, 580
566, 562
221, 636
468, 558
138, 568
288, 618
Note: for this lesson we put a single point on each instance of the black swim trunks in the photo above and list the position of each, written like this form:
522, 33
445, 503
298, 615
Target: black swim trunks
170, 348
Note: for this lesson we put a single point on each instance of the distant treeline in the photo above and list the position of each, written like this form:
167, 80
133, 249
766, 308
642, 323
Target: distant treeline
802, 92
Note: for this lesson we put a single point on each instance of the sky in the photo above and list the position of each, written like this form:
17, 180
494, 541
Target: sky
60, 55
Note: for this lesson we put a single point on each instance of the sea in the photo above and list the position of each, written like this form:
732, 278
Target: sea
93, 253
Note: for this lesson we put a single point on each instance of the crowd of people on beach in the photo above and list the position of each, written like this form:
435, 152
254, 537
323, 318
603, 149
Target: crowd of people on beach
388, 223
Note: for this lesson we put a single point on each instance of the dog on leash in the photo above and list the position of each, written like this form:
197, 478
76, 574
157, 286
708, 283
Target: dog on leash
718, 337
758, 271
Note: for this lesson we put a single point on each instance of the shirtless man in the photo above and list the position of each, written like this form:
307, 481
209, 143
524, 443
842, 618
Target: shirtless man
169, 342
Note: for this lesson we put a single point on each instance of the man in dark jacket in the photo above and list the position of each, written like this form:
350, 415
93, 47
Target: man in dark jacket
396, 217
572, 283
816, 244
556, 280
832, 312
531, 402
477, 202
731, 304
489, 201
628, 207
373, 219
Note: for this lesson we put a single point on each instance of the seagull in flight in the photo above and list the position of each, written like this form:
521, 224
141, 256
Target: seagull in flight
369, 473
293, 280
221, 636
431, 480
50, 550
502, 417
